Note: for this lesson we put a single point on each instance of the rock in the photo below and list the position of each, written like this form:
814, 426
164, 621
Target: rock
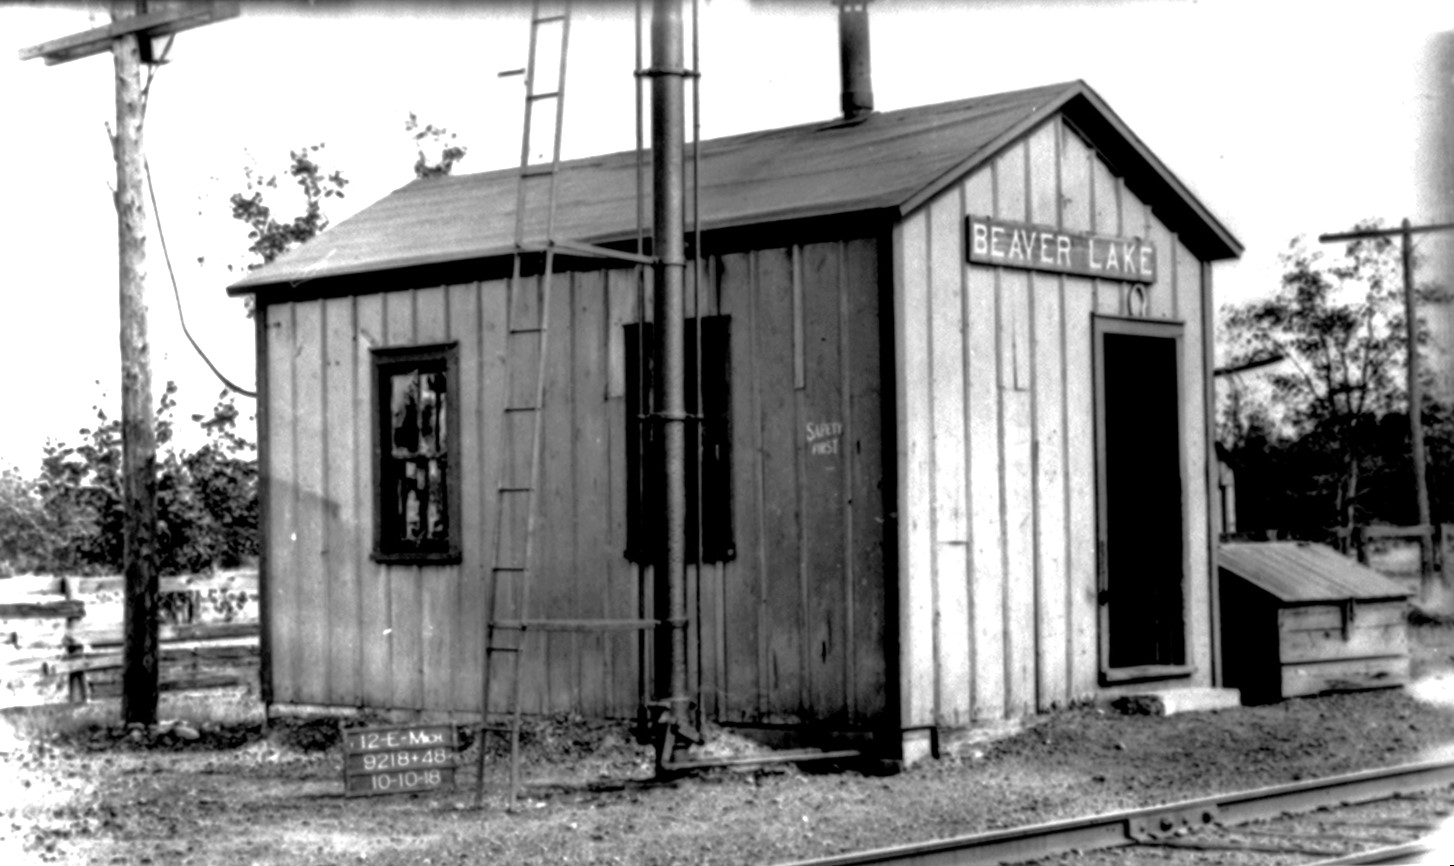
185, 731
1167, 702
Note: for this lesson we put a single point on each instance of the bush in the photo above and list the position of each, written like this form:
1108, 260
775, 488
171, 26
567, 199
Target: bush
70, 520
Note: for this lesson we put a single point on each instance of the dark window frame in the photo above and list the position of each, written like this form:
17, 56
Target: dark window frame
389, 546
715, 467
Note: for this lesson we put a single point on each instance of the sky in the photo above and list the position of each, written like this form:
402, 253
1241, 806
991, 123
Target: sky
1284, 119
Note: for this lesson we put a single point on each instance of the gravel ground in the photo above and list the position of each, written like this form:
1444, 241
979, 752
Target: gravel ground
97, 793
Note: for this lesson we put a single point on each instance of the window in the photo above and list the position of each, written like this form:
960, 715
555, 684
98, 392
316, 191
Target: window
416, 509
709, 503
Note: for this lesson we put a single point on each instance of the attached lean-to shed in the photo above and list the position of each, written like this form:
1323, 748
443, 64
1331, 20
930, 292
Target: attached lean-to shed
956, 396
1300, 619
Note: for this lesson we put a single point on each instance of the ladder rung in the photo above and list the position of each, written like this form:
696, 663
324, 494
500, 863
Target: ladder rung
502, 649
577, 624
506, 489
527, 330
549, 94
537, 172
548, 19
585, 249
511, 569
522, 408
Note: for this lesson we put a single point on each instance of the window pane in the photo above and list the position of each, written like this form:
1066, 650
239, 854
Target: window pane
409, 499
437, 526
404, 404
439, 412
414, 465
428, 409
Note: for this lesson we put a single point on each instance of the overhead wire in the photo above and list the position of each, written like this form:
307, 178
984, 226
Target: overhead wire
151, 73
177, 294
162, 238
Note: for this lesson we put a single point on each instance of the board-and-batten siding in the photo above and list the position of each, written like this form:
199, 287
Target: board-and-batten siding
793, 629
800, 630
997, 440
349, 631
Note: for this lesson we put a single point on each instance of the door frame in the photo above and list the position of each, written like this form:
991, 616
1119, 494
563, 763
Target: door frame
1174, 329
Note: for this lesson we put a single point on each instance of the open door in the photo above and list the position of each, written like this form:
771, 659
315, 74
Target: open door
1141, 520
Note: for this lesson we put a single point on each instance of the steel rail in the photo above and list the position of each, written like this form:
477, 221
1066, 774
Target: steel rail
1413, 852
1133, 826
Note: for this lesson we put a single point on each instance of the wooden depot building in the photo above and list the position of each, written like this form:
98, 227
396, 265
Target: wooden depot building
955, 400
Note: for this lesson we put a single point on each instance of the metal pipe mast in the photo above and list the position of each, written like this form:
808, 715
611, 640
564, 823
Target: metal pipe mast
668, 125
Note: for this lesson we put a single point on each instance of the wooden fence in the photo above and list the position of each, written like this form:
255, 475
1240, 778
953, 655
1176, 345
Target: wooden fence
61, 638
1386, 548
1365, 539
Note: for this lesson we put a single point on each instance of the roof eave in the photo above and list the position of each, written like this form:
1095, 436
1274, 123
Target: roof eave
1219, 242
253, 285
869, 212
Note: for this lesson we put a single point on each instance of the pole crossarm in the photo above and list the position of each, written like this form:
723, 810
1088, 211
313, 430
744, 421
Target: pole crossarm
150, 25
1383, 233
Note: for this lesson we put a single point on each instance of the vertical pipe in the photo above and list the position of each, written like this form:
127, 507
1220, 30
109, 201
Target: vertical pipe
265, 509
1416, 412
855, 73
643, 590
697, 304
667, 132
138, 437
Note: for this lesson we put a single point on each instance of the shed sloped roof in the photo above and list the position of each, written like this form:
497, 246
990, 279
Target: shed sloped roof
1295, 571
890, 160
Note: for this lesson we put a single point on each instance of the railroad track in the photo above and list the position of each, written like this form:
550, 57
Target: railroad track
1373, 816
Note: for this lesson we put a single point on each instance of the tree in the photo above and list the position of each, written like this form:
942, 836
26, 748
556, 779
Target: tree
270, 236
437, 152
24, 530
220, 509
206, 499
1322, 429
434, 139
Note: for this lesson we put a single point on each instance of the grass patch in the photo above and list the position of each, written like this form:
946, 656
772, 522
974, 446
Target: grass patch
223, 707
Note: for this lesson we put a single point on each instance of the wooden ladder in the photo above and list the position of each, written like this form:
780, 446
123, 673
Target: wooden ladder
505, 635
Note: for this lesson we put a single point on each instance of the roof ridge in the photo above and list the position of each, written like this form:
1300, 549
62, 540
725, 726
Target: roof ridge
826, 124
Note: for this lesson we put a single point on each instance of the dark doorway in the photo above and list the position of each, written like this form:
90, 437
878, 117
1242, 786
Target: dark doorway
1142, 519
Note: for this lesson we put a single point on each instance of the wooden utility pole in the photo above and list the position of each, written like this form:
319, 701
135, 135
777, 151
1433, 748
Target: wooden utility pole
1415, 387
128, 37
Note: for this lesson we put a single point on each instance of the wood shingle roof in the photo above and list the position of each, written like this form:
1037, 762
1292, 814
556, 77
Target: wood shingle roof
889, 161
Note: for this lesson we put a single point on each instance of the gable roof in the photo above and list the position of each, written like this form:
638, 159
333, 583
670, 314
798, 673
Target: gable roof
889, 161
